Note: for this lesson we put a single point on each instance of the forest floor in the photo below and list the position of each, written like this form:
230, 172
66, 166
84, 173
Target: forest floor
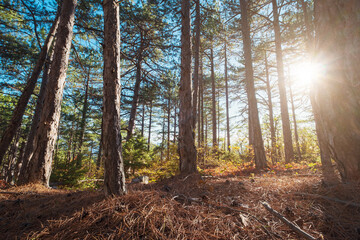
226, 206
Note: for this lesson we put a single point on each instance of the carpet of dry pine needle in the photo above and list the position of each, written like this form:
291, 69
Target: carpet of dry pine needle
185, 207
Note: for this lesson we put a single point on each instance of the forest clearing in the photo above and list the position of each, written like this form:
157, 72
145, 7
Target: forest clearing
184, 119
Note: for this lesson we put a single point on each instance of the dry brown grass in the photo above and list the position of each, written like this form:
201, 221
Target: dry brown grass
184, 207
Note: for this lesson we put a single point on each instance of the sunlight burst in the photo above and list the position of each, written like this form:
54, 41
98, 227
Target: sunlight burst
305, 73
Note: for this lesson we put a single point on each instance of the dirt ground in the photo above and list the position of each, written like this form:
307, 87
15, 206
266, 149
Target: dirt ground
187, 207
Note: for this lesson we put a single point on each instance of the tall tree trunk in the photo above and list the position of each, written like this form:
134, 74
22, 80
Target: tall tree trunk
227, 99
258, 144
114, 182
83, 121
289, 151
12, 158
337, 90
213, 100
30, 143
168, 128
99, 157
328, 170
150, 123
196, 61
46, 136
187, 148
273, 154
295, 123
135, 100
19, 110
175, 119
143, 120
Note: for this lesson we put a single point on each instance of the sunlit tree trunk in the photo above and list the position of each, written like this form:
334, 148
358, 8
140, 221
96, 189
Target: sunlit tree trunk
213, 100
328, 170
337, 89
271, 113
46, 136
30, 143
257, 144
289, 151
168, 127
19, 110
227, 99
187, 148
296, 134
196, 62
135, 100
114, 182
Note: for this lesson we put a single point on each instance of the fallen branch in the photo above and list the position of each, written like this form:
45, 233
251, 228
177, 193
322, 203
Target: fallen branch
287, 222
330, 199
91, 180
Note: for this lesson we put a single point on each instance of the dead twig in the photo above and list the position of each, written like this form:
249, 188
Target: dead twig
348, 203
287, 222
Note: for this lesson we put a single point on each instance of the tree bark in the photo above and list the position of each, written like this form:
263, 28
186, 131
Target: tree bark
296, 134
150, 123
227, 99
135, 100
258, 144
337, 89
187, 148
46, 136
30, 143
21, 105
114, 181
328, 170
273, 154
213, 100
196, 61
289, 151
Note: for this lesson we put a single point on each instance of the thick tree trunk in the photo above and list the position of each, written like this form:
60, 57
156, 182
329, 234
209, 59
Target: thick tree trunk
273, 154
30, 143
258, 144
19, 110
227, 100
213, 100
187, 148
328, 170
289, 151
337, 90
114, 182
46, 136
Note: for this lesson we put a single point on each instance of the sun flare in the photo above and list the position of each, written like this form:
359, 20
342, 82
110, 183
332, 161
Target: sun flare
305, 73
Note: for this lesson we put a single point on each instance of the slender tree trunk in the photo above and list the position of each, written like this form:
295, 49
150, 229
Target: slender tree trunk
213, 100
227, 99
21, 105
99, 157
12, 158
150, 123
46, 136
196, 61
299, 157
114, 182
175, 119
258, 144
162, 141
135, 100
187, 148
168, 128
337, 90
273, 154
30, 143
289, 151
143, 120
83, 121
